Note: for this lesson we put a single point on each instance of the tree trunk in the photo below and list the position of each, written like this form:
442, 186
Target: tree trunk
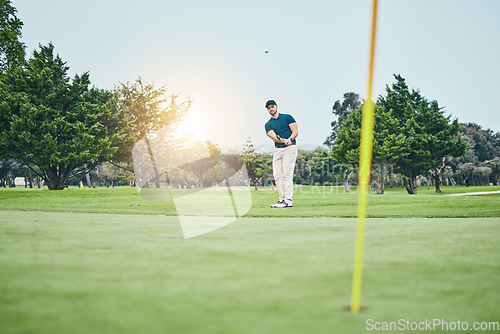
156, 178
436, 179
87, 177
11, 180
437, 182
381, 181
384, 178
56, 177
438, 175
30, 178
346, 180
465, 177
452, 181
410, 185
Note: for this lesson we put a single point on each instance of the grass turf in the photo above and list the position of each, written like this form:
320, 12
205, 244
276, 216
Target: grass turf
101, 273
309, 202
69, 272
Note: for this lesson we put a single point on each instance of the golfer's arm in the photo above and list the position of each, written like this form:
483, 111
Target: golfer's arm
295, 131
271, 134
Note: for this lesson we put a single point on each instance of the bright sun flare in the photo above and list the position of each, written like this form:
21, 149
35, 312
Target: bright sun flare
190, 130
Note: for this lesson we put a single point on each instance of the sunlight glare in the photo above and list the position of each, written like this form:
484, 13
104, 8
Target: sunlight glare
189, 130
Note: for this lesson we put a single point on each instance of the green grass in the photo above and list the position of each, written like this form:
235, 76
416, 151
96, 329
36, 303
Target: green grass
99, 273
108, 261
308, 201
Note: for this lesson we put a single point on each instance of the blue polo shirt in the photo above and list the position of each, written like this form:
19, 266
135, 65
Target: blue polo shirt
281, 126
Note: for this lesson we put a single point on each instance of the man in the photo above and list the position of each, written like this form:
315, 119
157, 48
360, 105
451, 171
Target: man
282, 129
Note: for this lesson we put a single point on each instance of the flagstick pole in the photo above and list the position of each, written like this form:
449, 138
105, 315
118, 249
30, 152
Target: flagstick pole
365, 161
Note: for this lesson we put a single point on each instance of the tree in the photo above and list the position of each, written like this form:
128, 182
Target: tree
206, 169
466, 170
12, 51
388, 145
342, 111
200, 163
230, 170
482, 175
494, 165
148, 109
257, 164
321, 166
437, 174
429, 135
9, 170
304, 170
57, 126
110, 174
483, 149
484, 143
150, 114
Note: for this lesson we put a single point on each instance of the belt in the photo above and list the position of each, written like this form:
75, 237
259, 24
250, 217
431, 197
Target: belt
282, 145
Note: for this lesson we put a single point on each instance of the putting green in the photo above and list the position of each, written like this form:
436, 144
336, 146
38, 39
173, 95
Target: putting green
100, 273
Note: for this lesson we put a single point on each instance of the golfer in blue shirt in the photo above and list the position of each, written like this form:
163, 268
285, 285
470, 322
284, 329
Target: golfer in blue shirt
282, 129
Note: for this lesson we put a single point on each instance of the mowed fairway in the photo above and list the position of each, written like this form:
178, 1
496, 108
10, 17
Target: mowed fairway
66, 272
309, 202
77, 272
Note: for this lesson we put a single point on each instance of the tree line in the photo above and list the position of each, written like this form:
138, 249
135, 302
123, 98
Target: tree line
415, 141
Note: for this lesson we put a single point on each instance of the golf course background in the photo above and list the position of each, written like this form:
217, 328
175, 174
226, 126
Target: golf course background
107, 261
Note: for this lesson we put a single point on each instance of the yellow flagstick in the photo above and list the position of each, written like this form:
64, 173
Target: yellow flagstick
365, 162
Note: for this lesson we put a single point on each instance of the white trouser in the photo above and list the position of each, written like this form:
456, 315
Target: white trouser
283, 166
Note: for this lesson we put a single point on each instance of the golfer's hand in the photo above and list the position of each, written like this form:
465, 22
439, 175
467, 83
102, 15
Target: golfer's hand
288, 142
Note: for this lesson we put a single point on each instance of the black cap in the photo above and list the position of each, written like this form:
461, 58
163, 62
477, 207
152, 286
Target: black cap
270, 102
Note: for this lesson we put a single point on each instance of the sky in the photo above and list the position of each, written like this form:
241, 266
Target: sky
214, 53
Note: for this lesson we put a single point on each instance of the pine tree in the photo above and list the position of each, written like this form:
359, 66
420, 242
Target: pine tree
12, 51
57, 126
428, 134
257, 164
